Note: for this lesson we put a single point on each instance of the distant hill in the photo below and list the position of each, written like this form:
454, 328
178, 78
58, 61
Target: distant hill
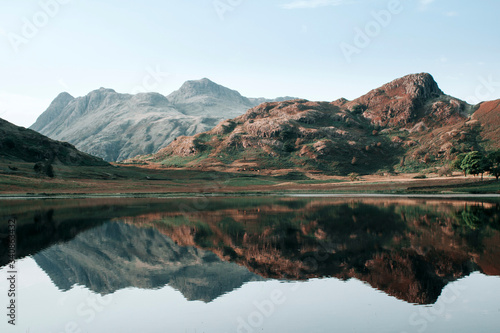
118, 126
404, 125
25, 145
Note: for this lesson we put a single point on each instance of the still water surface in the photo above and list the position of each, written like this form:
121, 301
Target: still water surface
262, 264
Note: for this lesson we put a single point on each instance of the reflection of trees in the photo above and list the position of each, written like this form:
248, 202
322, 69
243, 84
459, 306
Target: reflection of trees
473, 217
476, 222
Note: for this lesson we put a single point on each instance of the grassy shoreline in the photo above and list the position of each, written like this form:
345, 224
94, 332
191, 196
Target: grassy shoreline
131, 181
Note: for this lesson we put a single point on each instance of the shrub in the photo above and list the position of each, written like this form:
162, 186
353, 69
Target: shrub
44, 169
353, 176
446, 170
358, 109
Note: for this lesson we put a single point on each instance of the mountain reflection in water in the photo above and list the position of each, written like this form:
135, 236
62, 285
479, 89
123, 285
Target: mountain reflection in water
407, 248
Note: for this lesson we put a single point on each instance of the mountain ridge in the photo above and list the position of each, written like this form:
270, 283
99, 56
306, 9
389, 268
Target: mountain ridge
405, 125
117, 126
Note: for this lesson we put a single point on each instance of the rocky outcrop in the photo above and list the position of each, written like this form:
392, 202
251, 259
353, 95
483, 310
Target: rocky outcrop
408, 100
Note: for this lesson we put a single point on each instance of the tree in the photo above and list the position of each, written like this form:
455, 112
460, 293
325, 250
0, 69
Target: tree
474, 163
494, 163
457, 163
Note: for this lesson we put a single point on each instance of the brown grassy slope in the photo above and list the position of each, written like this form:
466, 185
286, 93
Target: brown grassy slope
488, 115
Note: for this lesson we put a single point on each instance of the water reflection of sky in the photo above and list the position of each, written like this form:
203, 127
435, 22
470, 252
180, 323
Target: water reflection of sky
470, 304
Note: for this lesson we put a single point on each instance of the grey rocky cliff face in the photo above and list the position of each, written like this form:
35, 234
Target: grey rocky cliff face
117, 126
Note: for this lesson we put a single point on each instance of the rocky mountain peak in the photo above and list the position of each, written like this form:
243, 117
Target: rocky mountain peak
63, 98
416, 86
151, 98
53, 111
104, 91
204, 88
400, 102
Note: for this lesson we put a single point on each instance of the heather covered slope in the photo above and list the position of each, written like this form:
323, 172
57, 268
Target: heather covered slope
283, 135
409, 100
118, 126
404, 125
488, 115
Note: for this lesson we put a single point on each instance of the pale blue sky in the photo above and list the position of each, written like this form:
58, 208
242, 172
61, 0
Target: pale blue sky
260, 48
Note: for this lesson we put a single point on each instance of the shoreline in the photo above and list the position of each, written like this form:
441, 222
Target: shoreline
46, 196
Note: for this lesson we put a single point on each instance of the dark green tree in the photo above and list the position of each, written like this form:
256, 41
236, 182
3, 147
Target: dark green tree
457, 163
494, 163
474, 163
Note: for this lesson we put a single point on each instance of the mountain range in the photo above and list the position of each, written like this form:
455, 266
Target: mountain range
405, 125
117, 126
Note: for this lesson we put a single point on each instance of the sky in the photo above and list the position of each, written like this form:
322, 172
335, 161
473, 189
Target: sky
313, 49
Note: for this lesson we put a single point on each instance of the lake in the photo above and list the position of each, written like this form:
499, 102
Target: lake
251, 264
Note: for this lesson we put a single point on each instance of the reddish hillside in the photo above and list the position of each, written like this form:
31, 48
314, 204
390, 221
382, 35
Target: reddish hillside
406, 125
488, 115
410, 99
